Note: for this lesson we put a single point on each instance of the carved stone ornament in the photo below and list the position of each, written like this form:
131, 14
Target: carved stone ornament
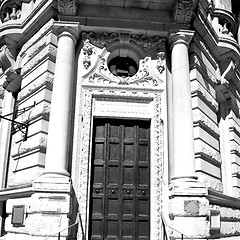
149, 73
87, 51
161, 63
67, 7
88, 96
142, 78
149, 44
227, 73
10, 69
183, 11
100, 93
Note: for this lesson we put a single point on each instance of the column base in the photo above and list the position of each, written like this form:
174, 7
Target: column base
52, 182
187, 187
188, 209
50, 206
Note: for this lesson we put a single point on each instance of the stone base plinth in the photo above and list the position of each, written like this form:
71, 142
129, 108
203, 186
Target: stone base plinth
50, 206
52, 182
187, 187
188, 209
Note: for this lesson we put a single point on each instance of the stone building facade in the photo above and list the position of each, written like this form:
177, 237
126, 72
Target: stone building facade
119, 119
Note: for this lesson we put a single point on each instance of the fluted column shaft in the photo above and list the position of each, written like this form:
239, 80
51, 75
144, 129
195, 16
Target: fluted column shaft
183, 140
59, 124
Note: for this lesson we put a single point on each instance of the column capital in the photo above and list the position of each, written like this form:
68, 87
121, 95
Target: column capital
182, 36
67, 29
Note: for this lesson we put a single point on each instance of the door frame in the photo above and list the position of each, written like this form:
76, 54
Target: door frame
126, 104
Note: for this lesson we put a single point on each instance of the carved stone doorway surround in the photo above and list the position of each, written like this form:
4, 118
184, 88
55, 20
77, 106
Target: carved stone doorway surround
101, 94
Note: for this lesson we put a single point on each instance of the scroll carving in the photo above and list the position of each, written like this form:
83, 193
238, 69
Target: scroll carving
94, 63
142, 77
67, 7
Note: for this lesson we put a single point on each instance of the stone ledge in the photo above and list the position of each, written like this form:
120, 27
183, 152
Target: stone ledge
21, 191
187, 187
52, 183
215, 197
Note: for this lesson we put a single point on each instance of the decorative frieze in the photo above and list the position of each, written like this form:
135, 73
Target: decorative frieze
152, 45
100, 40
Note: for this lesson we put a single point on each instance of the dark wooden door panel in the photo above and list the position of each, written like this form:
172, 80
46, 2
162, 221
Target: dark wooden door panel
120, 182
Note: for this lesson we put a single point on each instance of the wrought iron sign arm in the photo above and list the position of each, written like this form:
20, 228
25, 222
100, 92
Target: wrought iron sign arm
23, 127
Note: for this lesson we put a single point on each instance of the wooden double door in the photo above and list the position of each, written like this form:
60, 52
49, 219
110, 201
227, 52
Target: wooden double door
120, 180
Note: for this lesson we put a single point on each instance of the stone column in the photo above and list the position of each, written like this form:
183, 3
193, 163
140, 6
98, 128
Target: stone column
5, 141
58, 135
225, 146
183, 140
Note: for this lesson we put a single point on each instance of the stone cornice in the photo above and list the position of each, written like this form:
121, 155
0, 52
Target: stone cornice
215, 197
20, 30
22, 191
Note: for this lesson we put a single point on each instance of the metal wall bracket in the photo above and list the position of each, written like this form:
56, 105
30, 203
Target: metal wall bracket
23, 127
